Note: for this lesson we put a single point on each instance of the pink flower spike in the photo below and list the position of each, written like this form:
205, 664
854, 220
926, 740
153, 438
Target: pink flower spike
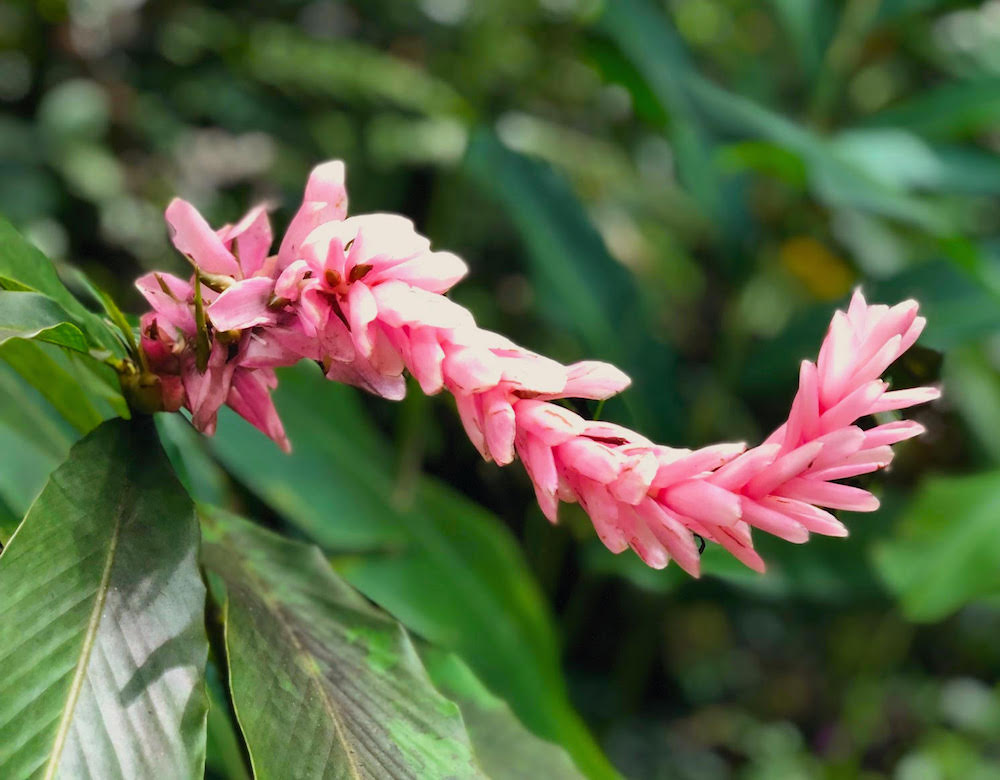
193, 237
244, 305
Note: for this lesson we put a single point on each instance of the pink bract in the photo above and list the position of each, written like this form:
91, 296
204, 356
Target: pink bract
364, 297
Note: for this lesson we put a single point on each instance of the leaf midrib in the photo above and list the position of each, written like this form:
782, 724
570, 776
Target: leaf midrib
88, 642
308, 662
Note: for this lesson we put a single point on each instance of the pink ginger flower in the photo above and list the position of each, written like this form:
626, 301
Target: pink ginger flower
653, 498
364, 297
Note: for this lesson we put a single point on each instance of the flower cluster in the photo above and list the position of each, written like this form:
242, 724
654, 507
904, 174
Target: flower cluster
364, 297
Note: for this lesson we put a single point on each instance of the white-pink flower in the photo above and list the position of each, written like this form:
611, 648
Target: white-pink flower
365, 297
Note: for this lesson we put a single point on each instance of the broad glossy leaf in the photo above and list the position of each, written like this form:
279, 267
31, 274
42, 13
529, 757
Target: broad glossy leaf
103, 645
504, 748
24, 268
946, 551
324, 685
439, 563
28, 315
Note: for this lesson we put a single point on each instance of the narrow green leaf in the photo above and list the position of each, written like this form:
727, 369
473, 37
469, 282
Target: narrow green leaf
439, 563
505, 749
344, 691
103, 647
28, 269
28, 315
957, 109
947, 550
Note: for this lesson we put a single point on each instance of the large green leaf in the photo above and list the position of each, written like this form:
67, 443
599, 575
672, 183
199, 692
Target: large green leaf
28, 315
439, 563
324, 685
24, 268
947, 550
54, 381
505, 749
103, 644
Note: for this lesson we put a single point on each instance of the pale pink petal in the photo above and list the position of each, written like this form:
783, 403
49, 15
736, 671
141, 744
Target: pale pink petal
595, 461
252, 236
594, 379
685, 464
859, 403
892, 433
552, 424
325, 200
541, 467
862, 462
901, 399
633, 482
895, 322
735, 474
471, 415
250, 397
360, 373
783, 469
427, 357
498, 426
803, 420
244, 305
836, 357
194, 238
206, 392
399, 304
816, 520
470, 370
603, 510
837, 445
173, 304
361, 310
740, 550
773, 522
436, 272
703, 501
641, 539
912, 334
288, 286
829, 494
672, 533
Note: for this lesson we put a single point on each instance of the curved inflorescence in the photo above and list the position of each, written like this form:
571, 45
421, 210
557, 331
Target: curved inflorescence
364, 297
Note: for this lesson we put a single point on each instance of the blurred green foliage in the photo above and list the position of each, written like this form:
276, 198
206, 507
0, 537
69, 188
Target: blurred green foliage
683, 187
